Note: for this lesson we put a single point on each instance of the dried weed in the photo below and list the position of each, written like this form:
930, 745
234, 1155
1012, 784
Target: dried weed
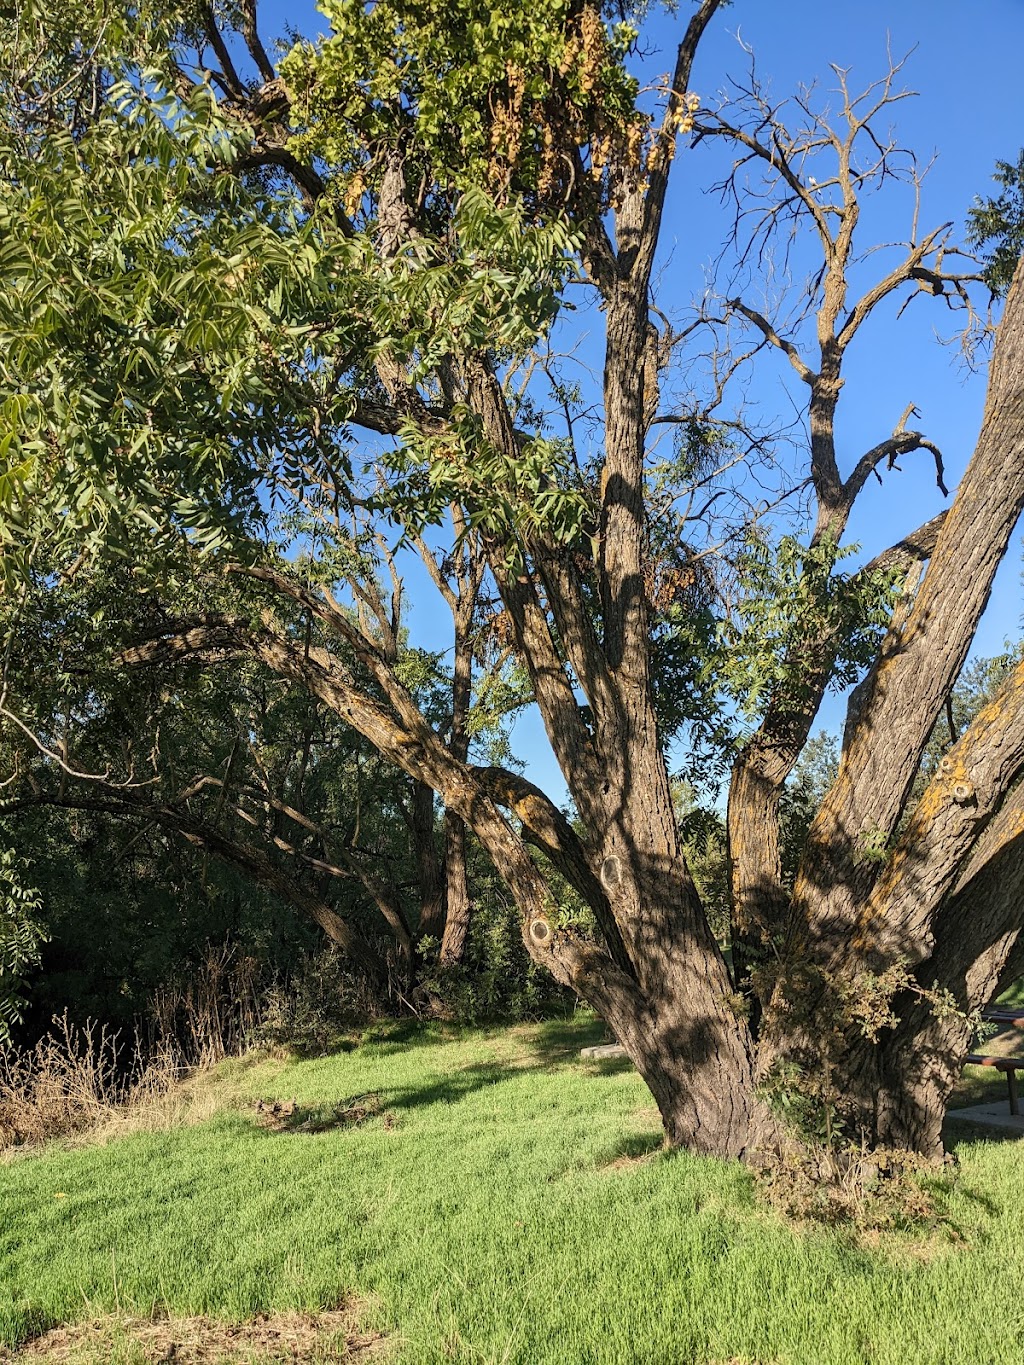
298, 1338
73, 1087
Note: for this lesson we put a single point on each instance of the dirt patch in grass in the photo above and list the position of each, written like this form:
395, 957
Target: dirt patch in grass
627, 1163
928, 1247
298, 1338
285, 1116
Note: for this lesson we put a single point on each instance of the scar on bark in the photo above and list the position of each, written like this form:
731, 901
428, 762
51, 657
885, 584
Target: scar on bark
541, 932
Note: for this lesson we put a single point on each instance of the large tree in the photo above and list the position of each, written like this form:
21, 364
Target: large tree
249, 312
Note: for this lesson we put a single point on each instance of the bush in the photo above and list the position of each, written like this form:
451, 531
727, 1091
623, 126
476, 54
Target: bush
879, 1190
20, 938
497, 978
321, 1004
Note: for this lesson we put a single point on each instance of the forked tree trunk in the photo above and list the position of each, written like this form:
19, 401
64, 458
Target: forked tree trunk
584, 630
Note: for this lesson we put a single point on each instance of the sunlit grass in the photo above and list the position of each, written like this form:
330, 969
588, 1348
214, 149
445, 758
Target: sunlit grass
508, 1204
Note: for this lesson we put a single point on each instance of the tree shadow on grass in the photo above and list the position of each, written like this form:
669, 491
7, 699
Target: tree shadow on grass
393, 1037
451, 1088
635, 1149
353, 1110
550, 1042
550, 1047
608, 1066
958, 1132
562, 1038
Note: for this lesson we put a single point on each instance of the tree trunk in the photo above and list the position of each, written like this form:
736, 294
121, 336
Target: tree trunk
457, 902
695, 1056
456, 875
428, 866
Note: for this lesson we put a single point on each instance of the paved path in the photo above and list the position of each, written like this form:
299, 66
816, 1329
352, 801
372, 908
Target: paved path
995, 1114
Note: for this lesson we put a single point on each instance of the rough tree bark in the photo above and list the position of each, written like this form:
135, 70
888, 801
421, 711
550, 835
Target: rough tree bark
863, 904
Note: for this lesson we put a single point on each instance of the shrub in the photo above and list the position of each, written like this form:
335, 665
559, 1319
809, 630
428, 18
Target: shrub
20, 938
879, 1190
497, 978
319, 1006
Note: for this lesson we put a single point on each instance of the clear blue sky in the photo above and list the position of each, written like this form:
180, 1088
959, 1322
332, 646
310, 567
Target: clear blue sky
969, 113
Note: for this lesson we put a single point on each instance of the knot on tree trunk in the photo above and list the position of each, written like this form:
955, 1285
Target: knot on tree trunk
541, 933
611, 872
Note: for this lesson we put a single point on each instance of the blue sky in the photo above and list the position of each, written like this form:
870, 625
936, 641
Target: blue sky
966, 66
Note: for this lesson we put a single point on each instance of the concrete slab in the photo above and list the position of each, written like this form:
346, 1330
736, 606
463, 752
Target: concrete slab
604, 1050
994, 1114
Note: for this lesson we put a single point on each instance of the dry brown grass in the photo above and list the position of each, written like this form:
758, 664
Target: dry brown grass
93, 1080
74, 1078
215, 1013
298, 1338
74, 1086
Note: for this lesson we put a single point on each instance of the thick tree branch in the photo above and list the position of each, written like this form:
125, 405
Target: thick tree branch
955, 807
227, 66
552, 688
547, 828
770, 755
919, 662
788, 349
354, 863
250, 32
911, 550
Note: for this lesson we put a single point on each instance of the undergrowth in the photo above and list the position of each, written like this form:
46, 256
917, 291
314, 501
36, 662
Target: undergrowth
79, 1078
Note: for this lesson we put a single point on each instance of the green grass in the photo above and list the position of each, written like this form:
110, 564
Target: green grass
487, 1216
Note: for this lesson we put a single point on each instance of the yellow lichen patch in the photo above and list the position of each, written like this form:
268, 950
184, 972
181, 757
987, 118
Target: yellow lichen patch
533, 811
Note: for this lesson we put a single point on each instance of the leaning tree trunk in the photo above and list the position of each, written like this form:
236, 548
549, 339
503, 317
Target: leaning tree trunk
696, 1052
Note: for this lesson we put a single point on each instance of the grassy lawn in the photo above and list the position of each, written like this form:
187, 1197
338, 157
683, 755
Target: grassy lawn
496, 1200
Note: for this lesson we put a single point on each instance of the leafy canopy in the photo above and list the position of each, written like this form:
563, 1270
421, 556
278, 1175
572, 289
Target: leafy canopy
541, 94
997, 225
181, 344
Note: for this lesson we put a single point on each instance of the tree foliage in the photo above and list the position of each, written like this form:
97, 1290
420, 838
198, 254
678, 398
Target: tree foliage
996, 225
21, 938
